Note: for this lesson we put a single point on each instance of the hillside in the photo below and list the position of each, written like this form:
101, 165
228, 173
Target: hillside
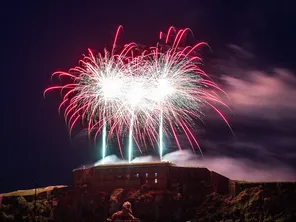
31, 192
255, 202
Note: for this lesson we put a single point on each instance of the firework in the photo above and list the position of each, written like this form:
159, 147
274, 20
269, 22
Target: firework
143, 94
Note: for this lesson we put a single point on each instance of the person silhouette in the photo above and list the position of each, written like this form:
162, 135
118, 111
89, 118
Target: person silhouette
125, 214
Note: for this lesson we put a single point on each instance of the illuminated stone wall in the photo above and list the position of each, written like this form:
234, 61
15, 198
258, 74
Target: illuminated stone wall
161, 175
126, 175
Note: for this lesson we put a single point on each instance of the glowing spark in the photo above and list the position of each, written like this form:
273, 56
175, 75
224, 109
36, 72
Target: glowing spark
130, 144
104, 140
160, 137
136, 92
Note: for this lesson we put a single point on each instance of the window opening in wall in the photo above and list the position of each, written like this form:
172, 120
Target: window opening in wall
155, 174
146, 174
137, 175
155, 181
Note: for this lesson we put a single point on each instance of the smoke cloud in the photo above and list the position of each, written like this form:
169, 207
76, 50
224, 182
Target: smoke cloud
233, 168
269, 95
263, 113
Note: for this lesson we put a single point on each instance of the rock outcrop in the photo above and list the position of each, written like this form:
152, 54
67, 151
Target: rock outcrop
254, 202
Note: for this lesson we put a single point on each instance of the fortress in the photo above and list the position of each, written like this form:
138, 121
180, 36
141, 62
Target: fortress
157, 175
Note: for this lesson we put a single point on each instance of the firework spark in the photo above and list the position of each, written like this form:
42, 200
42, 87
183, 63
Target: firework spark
145, 94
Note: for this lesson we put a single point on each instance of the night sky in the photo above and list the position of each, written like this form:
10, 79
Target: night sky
253, 59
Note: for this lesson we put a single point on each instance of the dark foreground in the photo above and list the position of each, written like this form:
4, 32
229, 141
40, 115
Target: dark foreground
255, 202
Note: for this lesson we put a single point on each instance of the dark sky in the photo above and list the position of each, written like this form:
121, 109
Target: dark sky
253, 55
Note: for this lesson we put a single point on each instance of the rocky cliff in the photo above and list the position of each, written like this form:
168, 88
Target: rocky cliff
253, 202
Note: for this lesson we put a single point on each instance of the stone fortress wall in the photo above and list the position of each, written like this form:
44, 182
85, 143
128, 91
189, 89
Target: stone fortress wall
157, 175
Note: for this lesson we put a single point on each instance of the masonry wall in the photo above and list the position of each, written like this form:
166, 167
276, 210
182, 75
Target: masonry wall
189, 175
200, 178
122, 176
220, 183
157, 176
232, 188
